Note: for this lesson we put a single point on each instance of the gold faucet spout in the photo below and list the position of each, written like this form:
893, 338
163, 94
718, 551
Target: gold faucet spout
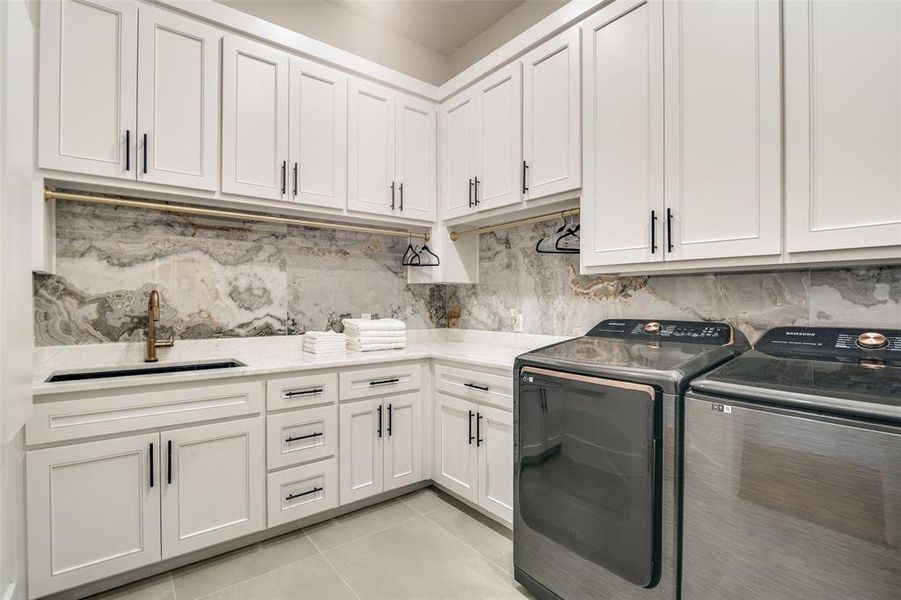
153, 315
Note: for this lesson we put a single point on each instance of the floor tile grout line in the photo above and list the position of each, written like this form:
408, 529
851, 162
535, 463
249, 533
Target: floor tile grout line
334, 568
172, 584
468, 545
363, 537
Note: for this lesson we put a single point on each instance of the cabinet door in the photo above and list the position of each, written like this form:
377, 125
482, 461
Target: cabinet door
93, 511
403, 444
370, 149
495, 446
360, 449
178, 100
622, 79
254, 119
551, 131
215, 484
842, 124
457, 154
456, 459
723, 131
499, 140
318, 150
88, 75
415, 162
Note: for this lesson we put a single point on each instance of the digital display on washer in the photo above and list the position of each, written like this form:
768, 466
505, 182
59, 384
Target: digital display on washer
692, 332
836, 344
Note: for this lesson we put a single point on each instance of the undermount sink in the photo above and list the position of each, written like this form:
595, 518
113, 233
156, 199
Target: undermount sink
149, 369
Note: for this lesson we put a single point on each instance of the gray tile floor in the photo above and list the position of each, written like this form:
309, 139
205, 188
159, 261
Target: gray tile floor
420, 546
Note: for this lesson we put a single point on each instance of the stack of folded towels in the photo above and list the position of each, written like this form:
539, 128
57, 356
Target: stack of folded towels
375, 334
324, 342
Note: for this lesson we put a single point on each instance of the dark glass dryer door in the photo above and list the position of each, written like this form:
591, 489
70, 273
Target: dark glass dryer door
589, 462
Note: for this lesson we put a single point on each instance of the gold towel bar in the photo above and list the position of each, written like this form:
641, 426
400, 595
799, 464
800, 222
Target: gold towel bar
226, 214
456, 235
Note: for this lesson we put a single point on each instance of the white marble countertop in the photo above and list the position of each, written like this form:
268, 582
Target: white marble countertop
270, 356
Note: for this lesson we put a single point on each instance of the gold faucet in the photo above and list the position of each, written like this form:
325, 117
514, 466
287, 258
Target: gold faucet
153, 315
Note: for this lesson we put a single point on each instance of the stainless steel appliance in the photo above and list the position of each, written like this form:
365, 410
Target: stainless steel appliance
595, 442
792, 486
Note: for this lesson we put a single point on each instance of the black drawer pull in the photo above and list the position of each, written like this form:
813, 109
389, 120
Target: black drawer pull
302, 392
293, 496
169, 462
484, 388
295, 179
384, 381
669, 230
653, 231
479, 439
470, 193
145, 153
380, 421
471, 437
389, 420
476, 197
151, 465
303, 437
525, 170
284, 176
128, 149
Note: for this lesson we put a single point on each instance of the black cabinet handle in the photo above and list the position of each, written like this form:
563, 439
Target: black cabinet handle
151, 465
669, 230
653, 231
401, 197
380, 421
525, 168
390, 420
476, 386
293, 496
169, 462
479, 439
128, 149
392, 195
145, 153
302, 392
471, 437
303, 437
477, 191
384, 381
284, 176
295, 179
470, 192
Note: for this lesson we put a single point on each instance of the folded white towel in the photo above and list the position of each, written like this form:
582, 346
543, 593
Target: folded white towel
320, 350
324, 347
377, 340
324, 343
375, 324
370, 347
323, 335
365, 335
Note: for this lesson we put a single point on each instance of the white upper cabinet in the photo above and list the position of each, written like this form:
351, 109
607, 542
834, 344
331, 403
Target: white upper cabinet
498, 179
842, 124
723, 169
551, 129
178, 100
88, 90
415, 163
456, 154
371, 185
254, 119
318, 132
622, 194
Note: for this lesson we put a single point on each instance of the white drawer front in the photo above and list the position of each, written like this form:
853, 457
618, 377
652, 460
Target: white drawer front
301, 390
155, 407
302, 491
479, 386
378, 381
301, 435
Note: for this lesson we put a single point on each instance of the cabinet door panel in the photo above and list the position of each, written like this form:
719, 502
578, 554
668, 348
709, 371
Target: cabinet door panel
415, 165
318, 135
178, 100
92, 511
496, 461
217, 488
254, 119
403, 451
458, 133
456, 458
360, 449
622, 79
88, 87
552, 143
842, 124
499, 142
370, 153
723, 128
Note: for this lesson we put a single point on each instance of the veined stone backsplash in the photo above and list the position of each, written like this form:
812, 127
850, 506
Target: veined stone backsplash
219, 279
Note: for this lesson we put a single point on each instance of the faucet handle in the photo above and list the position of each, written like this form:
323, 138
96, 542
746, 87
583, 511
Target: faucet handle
165, 343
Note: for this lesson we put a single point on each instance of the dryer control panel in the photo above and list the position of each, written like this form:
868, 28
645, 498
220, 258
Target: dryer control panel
692, 332
839, 344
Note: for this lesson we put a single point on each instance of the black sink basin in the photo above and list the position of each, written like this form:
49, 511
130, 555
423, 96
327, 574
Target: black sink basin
144, 370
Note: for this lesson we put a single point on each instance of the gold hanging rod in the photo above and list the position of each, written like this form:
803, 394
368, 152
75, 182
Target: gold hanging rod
571, 212
226, 214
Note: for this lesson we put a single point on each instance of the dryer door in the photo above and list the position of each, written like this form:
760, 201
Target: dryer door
589, 468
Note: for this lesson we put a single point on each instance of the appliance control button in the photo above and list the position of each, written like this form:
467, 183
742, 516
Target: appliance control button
872, 340
652, 327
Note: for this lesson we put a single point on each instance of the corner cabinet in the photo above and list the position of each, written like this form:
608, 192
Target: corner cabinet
842, 124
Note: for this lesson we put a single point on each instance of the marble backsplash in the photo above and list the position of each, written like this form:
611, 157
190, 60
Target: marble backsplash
220, 279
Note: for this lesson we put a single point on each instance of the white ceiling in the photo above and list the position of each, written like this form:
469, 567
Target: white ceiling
442, 25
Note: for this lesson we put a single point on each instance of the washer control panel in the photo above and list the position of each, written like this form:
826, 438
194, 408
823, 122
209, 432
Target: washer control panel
833, 343
692, 332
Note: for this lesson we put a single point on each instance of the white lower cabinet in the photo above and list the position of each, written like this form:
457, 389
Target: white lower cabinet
302, 491
379, 445
474, 453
